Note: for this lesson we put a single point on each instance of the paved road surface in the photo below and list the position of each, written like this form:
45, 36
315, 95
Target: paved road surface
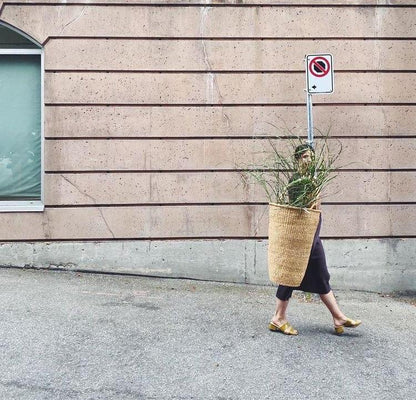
87, 336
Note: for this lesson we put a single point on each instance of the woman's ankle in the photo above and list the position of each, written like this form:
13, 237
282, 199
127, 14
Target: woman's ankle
279, 318
339, 319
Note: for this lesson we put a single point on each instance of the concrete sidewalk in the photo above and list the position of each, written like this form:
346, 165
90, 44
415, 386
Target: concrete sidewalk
88, 336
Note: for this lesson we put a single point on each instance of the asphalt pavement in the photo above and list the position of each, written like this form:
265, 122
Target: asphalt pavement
69, 335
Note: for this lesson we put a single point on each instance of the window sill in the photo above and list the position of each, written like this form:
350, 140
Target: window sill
21, 206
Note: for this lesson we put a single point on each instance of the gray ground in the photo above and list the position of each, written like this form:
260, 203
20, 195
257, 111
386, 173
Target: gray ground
87, 336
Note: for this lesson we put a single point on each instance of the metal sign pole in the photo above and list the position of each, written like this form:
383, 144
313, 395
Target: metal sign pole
310, 118
319, 80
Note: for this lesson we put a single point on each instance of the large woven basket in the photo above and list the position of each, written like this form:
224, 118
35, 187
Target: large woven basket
291, 234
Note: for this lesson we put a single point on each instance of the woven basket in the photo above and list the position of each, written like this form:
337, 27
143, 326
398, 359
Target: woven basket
291, 234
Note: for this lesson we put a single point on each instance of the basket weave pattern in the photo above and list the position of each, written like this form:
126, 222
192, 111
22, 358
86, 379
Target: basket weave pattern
291, 234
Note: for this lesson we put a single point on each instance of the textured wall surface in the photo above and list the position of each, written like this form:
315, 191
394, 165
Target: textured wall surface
381, 265
152, 108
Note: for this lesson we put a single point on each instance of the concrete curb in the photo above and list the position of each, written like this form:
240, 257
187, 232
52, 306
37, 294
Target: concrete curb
377, 265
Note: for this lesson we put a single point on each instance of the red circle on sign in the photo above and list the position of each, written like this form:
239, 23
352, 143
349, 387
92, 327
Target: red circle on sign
314, 62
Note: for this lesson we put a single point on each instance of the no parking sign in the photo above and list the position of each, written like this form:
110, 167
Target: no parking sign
319, 73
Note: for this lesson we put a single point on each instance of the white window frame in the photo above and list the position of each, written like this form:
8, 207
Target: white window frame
24, 205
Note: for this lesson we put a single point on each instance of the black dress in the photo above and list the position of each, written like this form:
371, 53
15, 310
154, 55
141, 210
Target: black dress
316, 279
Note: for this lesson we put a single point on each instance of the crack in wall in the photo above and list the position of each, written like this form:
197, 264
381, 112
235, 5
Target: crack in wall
46, 225
73, 20
391, 219
256, 221
105, 221
255, 258
150, 115
150, 188
212, 80
94, 201
245, 263
78, 188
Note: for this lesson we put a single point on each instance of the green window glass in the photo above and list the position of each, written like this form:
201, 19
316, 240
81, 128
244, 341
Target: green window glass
20, 119
20, 127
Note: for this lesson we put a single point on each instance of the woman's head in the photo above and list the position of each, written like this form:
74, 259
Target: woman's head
303, 155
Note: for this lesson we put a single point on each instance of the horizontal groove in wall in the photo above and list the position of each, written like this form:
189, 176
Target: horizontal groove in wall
210, 5
198, 171
228, 38
235, 137
203, 71
373, 203
174, 138
121, 205
56, 138
198, 238
222, 104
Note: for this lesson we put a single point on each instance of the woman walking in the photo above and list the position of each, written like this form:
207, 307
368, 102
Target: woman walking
316, 279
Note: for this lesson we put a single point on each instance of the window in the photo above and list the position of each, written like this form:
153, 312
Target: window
21, 121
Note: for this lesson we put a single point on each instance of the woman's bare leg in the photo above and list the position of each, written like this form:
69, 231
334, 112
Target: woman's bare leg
279, 317
330, 301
